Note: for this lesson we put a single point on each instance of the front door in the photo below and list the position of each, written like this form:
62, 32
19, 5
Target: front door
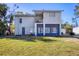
23, 30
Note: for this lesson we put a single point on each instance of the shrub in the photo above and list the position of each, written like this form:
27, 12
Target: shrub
72, 33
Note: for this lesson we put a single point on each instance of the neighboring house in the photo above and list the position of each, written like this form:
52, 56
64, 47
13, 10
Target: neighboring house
76, 30
42, 23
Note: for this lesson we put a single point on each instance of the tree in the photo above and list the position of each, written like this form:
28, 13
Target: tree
3, 28
3, 12
68, 27
12, 18
11, 24
12, 13
76, 10
76, 15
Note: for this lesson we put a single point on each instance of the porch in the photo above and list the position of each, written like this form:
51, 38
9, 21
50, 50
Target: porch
47, 29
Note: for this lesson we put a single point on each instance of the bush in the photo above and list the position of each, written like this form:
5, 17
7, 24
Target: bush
72, 33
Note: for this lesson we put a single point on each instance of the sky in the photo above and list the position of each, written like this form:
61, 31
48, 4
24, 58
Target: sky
67, 14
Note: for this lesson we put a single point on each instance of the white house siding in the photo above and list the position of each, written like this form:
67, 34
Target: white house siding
76, 30
16, 22
52, 19
27, 22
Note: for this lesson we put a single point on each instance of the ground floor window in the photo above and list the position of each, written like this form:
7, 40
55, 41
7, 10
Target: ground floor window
40, 29
47, 30
50, 29
53, 30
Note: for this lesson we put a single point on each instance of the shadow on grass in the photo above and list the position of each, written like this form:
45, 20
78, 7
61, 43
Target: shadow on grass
25, 38
45, 39
29, 38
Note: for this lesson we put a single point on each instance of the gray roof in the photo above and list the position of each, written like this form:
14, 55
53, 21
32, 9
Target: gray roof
25, 15
32, 15
48, 10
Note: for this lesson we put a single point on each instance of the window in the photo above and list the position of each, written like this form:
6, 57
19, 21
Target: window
20, 21
52, 14
47, 29
53, 30
40, 30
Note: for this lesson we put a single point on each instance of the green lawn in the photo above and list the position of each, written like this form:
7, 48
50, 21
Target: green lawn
41, 46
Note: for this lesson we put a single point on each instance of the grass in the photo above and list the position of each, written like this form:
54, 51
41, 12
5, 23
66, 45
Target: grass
41, 46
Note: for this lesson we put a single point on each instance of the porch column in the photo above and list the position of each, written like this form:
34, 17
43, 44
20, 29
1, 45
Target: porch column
60, 28
35, 29
44, 29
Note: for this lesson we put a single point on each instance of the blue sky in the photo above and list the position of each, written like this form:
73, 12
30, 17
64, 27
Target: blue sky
67, 14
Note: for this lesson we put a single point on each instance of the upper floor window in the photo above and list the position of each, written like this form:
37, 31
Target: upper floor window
20, 20
52, 14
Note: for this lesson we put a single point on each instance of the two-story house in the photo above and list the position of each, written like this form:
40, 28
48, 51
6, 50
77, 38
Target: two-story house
42, 23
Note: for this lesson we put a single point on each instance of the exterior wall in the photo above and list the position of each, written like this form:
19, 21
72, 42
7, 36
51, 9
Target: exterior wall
27, 22
56, 19
16, 22
47, 19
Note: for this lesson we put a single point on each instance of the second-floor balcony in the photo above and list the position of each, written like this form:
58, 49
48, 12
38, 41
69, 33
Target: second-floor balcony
38, 21
39, 18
